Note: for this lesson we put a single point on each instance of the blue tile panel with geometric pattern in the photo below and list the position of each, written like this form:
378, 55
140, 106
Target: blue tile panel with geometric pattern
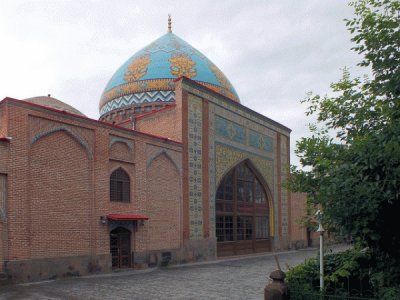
195, 159
260, 141
230, 130
155, 67
237, 133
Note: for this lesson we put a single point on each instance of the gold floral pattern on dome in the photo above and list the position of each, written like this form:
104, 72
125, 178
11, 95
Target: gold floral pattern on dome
220, 77
182, 65
220, 90
137, 69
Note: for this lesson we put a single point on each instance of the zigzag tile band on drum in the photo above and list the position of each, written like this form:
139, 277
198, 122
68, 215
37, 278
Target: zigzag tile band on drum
138, 98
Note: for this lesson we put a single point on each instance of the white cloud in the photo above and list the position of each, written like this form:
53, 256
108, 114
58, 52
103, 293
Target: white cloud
272, 51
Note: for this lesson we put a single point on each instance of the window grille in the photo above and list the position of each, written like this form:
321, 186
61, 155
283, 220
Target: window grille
120, 186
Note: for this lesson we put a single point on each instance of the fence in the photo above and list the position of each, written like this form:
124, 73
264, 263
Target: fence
351, 288
307, 295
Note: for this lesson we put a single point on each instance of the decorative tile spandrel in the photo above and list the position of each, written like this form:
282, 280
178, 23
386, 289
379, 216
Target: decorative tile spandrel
227, 157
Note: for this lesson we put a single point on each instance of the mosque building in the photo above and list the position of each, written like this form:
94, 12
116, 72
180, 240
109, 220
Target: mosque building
176, 170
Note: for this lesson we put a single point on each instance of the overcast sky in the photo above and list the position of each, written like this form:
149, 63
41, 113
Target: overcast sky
273, 52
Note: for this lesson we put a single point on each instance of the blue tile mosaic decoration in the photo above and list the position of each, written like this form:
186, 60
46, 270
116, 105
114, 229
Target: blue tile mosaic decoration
195, 124
237, 133
258, 140
230, 130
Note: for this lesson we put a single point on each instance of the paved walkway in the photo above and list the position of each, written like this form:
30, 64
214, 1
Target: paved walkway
236, 278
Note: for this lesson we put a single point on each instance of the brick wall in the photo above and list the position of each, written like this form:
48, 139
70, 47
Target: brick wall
58, 187
4, 155
161, 123
298, 211
163, 204
18, 207
167, 122
60, 192
3, 120
120, 151
3, 228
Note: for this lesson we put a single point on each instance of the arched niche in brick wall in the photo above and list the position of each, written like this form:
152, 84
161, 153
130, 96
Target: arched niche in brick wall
163, 199
160, 153
59, 190
67, 131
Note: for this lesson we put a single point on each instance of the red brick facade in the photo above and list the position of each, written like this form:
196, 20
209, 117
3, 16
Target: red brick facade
57, 188
167, 124
55, 184
298, 209
301, 236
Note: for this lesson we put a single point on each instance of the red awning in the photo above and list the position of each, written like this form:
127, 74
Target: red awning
116, 217
5, 138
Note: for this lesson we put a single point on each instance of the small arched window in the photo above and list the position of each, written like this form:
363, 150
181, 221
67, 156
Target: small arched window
120, 189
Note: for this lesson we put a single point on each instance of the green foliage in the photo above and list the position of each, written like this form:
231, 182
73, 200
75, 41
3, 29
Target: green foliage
337, 268
304, 277
352, 159
350, 273
389, 293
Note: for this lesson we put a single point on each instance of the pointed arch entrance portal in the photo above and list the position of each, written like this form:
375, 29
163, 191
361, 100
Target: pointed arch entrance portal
242, 213
120, 247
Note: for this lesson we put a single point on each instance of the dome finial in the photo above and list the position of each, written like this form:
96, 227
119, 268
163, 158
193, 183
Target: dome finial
169, 23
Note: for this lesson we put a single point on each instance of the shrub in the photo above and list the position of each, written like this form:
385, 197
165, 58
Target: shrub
350, 273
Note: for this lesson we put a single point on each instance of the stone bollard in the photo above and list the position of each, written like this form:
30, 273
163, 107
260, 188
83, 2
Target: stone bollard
277, 289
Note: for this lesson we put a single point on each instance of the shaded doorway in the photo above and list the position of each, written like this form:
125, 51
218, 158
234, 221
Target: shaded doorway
242, 213
309, 240
120, 248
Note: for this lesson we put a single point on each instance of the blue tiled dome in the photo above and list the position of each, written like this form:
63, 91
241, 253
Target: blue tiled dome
148, 76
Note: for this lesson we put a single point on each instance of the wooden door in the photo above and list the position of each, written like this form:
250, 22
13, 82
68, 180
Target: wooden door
120, 248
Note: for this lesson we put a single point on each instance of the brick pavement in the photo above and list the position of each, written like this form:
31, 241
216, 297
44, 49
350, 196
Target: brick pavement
236, 278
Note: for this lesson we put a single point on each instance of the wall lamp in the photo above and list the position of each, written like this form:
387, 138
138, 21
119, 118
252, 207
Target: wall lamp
103, 220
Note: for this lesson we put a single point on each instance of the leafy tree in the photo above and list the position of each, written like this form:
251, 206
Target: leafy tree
354, 173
